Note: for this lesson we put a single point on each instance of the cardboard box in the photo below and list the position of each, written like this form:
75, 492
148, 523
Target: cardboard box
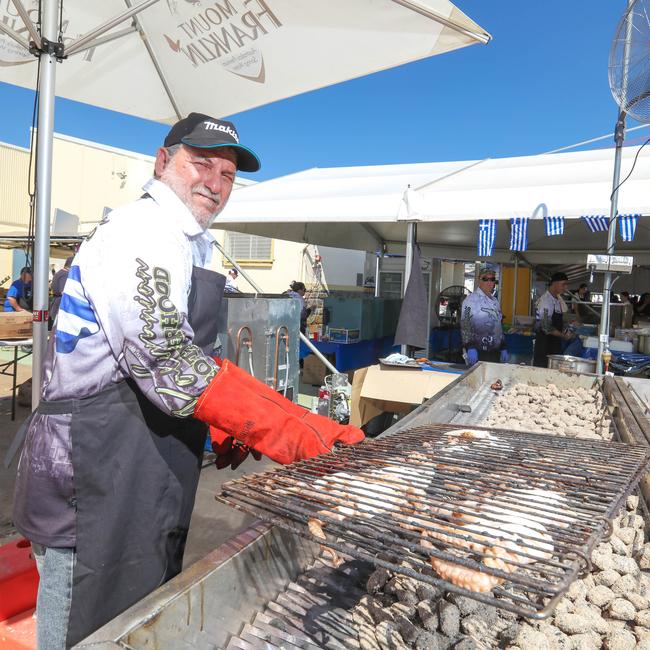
15, 325
314, 371
378, 390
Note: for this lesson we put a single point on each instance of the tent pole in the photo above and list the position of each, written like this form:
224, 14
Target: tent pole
44, 146
408, 262
377, 269
603, 338
514, 289
250, 281
619, 136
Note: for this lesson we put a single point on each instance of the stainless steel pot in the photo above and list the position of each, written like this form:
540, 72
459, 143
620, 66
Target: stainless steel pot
571, 364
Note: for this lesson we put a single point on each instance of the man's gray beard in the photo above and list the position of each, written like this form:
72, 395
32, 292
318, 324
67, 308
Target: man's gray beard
171, 179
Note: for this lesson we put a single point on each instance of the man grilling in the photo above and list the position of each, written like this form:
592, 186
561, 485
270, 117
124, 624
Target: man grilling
551, 332
480, 323
108, 474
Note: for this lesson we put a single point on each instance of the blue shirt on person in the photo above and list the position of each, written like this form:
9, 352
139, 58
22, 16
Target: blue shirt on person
17, 290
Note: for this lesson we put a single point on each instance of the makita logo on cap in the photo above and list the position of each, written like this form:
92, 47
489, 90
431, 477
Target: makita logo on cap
224, 128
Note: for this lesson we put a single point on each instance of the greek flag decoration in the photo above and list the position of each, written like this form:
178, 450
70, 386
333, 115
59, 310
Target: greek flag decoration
627, 224
487, 234
597, 223
554, 226
519, 234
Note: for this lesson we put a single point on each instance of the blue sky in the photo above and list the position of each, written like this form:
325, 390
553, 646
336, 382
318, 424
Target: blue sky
539, 85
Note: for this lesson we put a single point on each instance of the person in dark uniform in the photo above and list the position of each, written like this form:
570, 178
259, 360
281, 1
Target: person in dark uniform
550, 328
58, 282
298, 290
584, 315
110, 465
481, 322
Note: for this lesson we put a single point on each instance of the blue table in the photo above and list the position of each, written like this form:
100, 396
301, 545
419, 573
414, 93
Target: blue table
350, 356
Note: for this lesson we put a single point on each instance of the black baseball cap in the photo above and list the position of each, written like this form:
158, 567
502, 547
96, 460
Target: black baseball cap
205, 132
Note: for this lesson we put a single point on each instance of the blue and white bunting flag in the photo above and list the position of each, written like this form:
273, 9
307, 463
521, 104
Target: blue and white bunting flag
627, 224
519, 234
487, 234
597, 223
554, 226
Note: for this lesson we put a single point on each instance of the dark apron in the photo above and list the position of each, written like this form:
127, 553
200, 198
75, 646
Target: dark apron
135, 485
489, 355
546, 344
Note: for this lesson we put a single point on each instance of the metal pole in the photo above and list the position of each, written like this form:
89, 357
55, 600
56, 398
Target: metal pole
514, 290
427, 348
250, 280
44, 145
408, 262
603, 338
377, 265
619, 136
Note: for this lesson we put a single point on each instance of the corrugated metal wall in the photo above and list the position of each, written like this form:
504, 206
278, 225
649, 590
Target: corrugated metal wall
14, 200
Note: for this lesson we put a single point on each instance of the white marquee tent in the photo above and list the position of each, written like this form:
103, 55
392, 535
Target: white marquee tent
366, 207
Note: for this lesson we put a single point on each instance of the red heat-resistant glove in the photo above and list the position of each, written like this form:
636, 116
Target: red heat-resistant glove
229, 451
254, 414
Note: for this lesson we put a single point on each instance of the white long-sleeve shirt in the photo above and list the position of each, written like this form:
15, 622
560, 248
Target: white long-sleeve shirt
124, 307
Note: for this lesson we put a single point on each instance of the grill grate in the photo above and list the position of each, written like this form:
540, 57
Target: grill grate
508, 519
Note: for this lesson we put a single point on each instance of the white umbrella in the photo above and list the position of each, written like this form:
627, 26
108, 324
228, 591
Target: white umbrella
162, 59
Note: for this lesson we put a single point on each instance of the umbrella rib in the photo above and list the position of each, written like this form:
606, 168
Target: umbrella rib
31, 28
105, 39
483, 38
109, 24
13, 34
156, 65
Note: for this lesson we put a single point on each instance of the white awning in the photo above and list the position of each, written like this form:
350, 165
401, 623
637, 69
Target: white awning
364, 207
225, 56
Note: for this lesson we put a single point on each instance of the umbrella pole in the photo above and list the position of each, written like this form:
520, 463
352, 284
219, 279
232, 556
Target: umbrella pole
44, 139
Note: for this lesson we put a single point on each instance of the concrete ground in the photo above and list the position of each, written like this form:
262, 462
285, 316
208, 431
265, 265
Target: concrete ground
212, 522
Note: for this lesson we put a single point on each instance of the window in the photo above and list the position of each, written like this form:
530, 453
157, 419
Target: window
249, 249
390, 284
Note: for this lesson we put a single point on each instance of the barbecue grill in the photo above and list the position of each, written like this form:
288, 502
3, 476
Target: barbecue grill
427, 495
263, 584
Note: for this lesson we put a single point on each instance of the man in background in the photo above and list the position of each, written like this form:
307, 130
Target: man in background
231, 282
480, 323
58, 282
19, 295
552, 332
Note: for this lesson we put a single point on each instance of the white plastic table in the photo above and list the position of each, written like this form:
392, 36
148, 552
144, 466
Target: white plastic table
10, 368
